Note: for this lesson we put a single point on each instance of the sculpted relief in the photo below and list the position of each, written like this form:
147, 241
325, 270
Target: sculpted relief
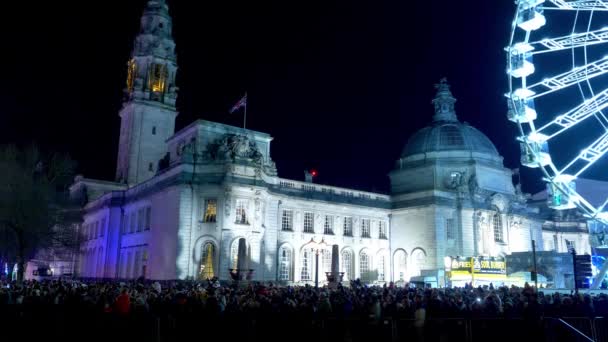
233, 147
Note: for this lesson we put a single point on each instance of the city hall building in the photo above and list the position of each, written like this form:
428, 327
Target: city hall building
182, 200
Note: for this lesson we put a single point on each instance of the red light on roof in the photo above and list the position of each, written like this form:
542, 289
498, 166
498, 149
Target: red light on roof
313, 173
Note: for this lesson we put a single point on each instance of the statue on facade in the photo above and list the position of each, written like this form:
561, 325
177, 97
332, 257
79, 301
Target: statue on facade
233, 147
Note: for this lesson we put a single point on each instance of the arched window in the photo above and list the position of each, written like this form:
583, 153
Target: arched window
234, 253
153, 130
497, 224
347, 265
326, 262
129, 261
207, 262
364, 266
400, 265
305, 269
100, 262
137, 264
418, 261
380, 266
285, 264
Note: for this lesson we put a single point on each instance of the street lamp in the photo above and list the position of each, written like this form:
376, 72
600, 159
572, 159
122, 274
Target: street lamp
316, 248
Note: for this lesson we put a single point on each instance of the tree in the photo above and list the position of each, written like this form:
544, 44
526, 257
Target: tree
35, 211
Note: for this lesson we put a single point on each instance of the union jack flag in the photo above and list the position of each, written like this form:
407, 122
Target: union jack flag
242, 103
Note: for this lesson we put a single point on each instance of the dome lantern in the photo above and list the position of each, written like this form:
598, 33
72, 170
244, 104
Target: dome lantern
444, 102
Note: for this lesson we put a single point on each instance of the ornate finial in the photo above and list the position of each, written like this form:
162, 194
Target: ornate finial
444, 102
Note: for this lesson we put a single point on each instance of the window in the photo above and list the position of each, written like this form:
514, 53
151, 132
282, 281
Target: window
449, 229
128, 268
148, 218
102, 230
305, 270
382, 230
234, 254
309, 223
131, 75
364, 266
158, 78
400, 265
210, 210
140, 219
207, 261
284, 264
151, 167
329, 225
497, 223
326, 261
450, 135
121, 266
132, 222
153, 130
381, 266
365, 228
555, 243
570, 245
137, 266
347, 265
348, 226
241, 211
419, 261
287, 220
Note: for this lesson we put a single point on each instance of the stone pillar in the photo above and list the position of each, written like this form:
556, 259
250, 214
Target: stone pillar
335, 259
241, 261
335, 276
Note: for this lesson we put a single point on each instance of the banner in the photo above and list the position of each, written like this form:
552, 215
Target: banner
480, 265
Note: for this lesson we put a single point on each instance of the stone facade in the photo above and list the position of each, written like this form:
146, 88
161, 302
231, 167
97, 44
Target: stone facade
183, 200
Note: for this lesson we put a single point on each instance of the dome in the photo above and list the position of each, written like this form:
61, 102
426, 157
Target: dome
448, 136
446, 133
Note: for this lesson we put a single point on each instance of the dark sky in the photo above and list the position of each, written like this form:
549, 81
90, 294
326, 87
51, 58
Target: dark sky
341, 85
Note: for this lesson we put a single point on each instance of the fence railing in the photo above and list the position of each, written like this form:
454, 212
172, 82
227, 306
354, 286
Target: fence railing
64, 325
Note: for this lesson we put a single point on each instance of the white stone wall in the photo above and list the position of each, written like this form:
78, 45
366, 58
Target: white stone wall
551, 238
415, 229
138, 146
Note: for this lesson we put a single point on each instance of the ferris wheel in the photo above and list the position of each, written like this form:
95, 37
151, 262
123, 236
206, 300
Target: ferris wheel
557, 66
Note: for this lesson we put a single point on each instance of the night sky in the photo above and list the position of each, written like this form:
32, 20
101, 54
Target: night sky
340, 85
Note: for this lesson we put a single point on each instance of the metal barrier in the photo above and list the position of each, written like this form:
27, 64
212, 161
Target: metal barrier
49, 323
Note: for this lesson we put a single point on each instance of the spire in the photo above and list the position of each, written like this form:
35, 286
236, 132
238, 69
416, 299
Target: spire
153, 63
155, 36
444, 102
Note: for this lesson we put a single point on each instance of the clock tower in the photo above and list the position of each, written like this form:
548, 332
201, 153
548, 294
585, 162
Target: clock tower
148, 112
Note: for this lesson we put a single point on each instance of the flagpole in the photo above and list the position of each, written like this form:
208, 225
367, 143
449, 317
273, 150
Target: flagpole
245, 116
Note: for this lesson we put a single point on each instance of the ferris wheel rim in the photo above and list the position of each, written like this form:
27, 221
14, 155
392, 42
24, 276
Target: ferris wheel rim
588, 209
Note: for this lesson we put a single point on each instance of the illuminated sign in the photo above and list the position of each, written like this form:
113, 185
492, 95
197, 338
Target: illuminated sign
480, 265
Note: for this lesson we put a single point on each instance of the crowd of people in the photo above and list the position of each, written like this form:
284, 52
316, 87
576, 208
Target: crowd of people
356, 300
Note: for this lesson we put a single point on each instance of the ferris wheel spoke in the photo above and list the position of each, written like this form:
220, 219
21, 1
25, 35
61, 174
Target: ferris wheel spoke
583, 5
570, 41
574, 76
578, 114
588, 156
